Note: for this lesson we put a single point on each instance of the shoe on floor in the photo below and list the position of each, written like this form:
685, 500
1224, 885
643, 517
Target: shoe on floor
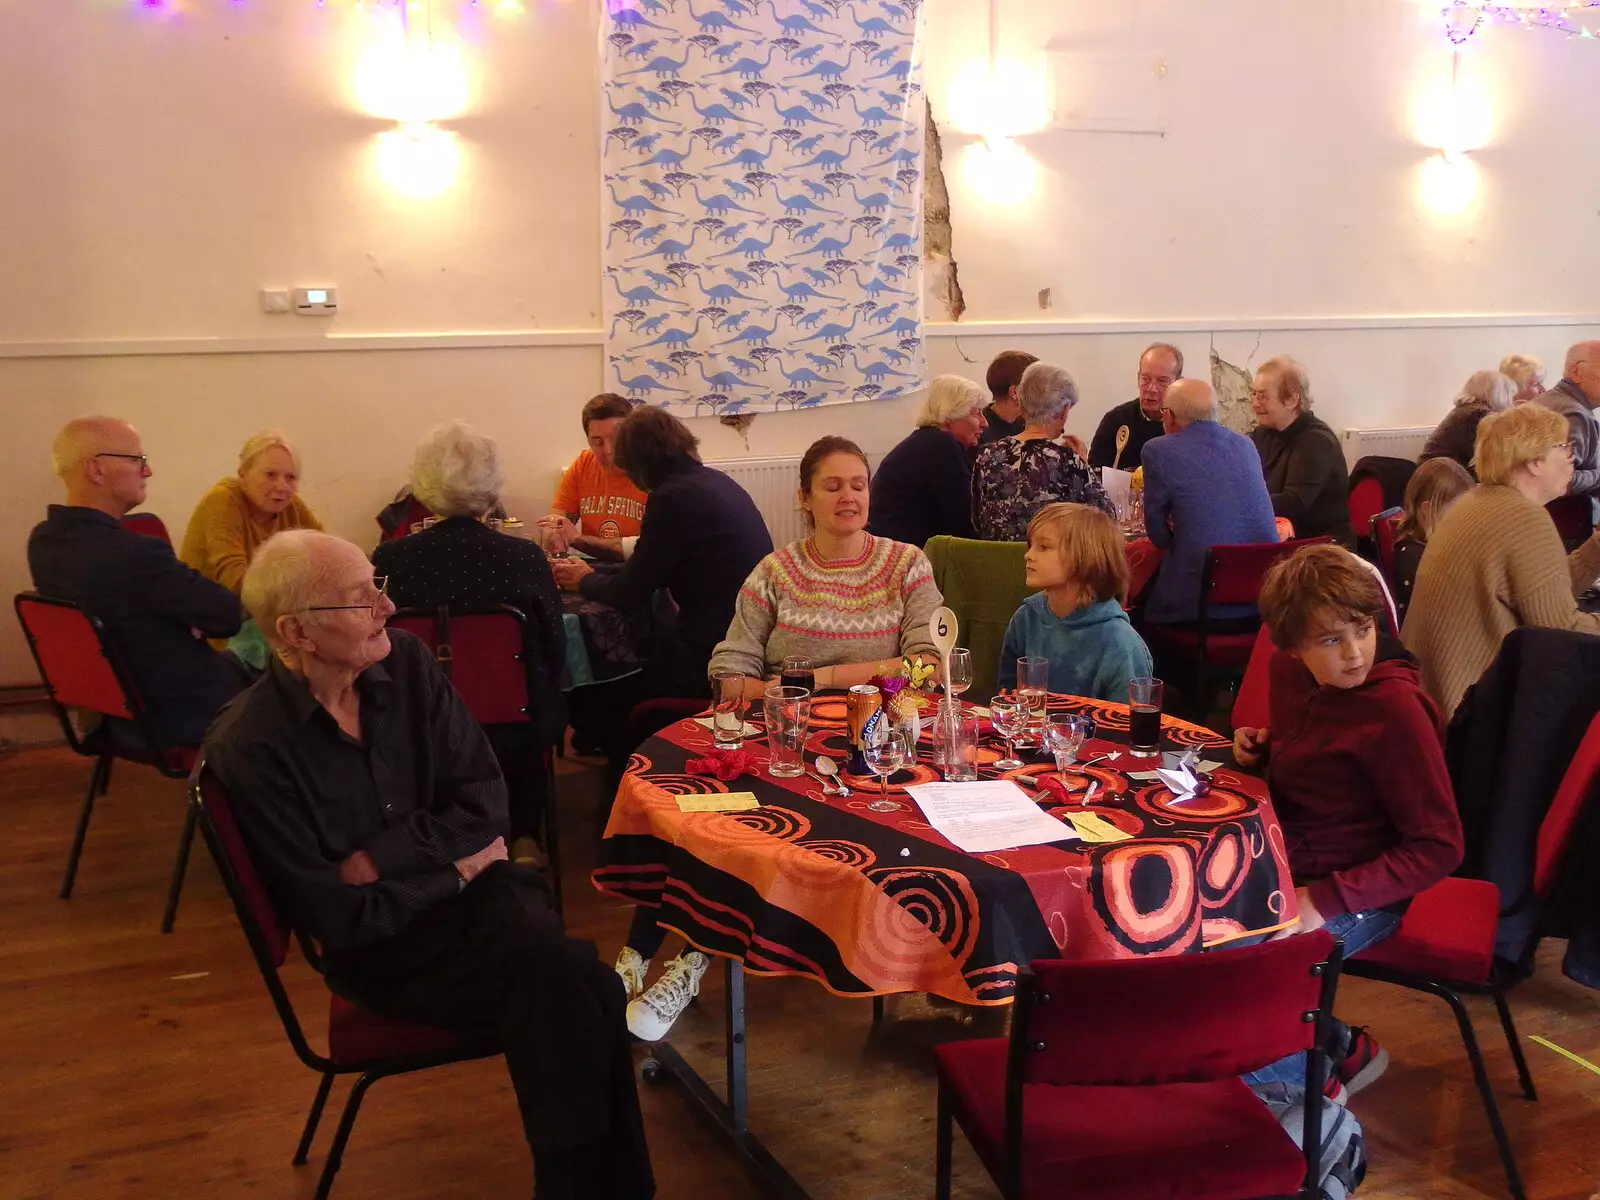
1366, 1061
650, 1017
525, 852
633, 968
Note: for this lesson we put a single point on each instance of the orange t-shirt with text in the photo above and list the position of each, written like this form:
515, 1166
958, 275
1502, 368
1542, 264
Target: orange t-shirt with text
607, 503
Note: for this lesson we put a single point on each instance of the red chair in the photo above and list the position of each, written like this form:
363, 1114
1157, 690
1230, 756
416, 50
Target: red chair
1121, 1078
1231, 575
148, 524
1385, 529
1573, 517
1365, 502
482, 651
81, 670
360, 1042
1252, 705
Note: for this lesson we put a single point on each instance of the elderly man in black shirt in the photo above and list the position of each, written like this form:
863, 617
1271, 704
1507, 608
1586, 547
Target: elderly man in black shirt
374, 810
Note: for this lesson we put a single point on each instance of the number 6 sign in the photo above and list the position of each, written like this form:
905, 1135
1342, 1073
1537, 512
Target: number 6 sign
943, 628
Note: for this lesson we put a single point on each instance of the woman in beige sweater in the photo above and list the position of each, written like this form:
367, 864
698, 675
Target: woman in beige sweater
1495, 561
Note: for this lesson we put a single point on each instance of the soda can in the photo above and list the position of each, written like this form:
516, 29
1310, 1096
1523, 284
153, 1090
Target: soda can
863, 713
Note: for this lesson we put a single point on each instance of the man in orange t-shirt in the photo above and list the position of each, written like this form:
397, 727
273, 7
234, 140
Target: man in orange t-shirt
597, 509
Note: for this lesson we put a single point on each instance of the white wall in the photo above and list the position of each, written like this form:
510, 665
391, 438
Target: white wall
160, 168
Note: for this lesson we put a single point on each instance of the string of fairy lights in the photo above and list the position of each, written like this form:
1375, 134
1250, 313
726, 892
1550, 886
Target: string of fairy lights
1465, 20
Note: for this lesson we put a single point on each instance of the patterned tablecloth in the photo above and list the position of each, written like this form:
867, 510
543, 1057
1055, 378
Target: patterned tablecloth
872, 903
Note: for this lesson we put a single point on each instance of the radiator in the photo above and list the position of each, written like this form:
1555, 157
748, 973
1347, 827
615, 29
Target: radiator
1385, 443
773, 484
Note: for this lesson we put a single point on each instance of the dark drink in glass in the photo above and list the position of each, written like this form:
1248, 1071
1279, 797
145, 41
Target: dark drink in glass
1144, 716
798, 672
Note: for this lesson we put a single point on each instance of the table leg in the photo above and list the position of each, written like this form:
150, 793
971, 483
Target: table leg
730, 1117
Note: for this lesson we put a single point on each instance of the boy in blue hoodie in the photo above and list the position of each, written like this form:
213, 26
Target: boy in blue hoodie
1077, 556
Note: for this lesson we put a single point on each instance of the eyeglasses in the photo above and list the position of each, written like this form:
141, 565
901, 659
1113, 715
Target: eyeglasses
142, 460
380, 582
1566, 448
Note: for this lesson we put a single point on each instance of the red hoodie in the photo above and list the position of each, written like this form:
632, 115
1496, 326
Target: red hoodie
1358, 778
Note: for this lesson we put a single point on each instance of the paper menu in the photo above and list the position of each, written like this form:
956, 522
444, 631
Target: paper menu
1118, 486
989, 815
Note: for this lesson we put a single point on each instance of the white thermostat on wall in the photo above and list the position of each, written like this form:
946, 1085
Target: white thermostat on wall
316, 301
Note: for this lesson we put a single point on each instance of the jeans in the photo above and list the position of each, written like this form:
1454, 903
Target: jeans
1358, 930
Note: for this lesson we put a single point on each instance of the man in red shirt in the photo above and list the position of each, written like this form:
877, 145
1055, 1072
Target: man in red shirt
1355, 765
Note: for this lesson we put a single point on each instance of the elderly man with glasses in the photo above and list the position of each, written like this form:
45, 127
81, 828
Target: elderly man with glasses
1576, 397
156, 611
373, 808
1123, 432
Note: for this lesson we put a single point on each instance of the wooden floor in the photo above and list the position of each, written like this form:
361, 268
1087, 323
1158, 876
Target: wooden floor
134, 1065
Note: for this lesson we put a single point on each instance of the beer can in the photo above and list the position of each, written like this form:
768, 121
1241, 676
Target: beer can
863, 713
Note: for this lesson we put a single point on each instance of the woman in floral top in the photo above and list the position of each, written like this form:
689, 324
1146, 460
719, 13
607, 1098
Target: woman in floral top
1017, 476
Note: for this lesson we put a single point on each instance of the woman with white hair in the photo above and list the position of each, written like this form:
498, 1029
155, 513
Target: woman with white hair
924, 486
460, 561
1301, 459
1527, 372
1017, 476
1484, 392
245, 509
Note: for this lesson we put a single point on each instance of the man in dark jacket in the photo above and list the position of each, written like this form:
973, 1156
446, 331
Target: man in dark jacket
156, 611
1300, 456
1139, 420
1575, 398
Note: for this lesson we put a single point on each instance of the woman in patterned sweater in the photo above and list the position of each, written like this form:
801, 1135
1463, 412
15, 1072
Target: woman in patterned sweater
852, 604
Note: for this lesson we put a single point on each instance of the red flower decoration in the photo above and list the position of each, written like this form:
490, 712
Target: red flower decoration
726, 765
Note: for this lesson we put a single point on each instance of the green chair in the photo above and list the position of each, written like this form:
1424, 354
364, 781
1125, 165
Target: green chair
983, 584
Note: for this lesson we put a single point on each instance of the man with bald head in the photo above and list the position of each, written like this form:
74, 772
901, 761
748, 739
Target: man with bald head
156, 611
1123, 432
1576, 397
1203, 487
375, 812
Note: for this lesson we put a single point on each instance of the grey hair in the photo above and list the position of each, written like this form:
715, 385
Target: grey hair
456, 472
1580, 352
1046, 393
1488, 389
1191, 400
1522, 369
1177, 355
1292, 379
264, 440
949, 398
288, 574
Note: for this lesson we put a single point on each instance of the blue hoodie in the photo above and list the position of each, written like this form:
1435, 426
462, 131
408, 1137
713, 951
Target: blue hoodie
1093, 651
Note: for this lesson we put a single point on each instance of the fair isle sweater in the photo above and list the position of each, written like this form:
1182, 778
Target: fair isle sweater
874, 606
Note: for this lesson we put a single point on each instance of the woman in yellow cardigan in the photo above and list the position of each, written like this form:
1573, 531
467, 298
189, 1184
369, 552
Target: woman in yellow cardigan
244, 510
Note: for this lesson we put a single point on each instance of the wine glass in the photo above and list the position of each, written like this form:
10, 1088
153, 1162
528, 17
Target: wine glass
960, 677
1065, 737
885, 755
1010, 717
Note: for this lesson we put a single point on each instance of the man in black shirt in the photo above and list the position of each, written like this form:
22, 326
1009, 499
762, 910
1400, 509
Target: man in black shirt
155, 610
1159, 367
1005, 411
373, 808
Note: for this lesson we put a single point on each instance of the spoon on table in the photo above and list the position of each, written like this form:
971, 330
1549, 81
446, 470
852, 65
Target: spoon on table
829, 769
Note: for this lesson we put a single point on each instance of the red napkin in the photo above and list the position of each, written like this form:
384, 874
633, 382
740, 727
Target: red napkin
726, 765
1054, 789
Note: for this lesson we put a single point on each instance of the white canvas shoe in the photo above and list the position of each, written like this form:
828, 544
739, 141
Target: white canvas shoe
650, 1017
633, 969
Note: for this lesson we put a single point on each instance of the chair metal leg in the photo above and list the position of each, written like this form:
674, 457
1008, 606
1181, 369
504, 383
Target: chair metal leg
342, 1135
179, 868
1490, 1107
942, 1137
312, 1120
97, 780
1515, 1043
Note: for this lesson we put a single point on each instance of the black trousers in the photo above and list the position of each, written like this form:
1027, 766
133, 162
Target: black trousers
495, 960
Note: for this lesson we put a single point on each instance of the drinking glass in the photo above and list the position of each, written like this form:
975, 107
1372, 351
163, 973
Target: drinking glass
1033, 691
1145, 697
788, 714
886, 754
960, 672
798, 673
955, 742
1010, 717
727, 717
1066, 736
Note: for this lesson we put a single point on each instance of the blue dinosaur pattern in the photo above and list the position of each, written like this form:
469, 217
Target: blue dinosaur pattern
763, 202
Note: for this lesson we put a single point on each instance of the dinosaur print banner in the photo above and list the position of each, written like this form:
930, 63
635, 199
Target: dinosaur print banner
762, 182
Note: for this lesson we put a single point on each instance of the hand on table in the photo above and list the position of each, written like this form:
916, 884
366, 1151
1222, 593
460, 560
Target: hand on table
474, 864
1310, 918
1250, 746
358, 868
569, 572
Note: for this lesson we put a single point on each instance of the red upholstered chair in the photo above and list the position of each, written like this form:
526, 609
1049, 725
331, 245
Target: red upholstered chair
1385, 528
1231, 575
1573, 517
1365, 501
1121, 1078
482, 650
360, 1042
1251, 707
148, 524
81, 670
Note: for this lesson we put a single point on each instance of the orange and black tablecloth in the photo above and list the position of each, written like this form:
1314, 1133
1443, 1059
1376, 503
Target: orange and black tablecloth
872, 903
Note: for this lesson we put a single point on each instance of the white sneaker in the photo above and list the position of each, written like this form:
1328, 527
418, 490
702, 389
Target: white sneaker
650, 1017
633, 969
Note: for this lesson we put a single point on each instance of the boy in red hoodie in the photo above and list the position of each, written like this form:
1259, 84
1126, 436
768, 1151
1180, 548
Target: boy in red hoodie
1355, 765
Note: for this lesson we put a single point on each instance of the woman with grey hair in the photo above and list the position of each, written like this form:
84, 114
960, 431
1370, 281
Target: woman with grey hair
1484, 392
924, 486
1017, 476
1301, 459
1527, 372
245, 509
462, 563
